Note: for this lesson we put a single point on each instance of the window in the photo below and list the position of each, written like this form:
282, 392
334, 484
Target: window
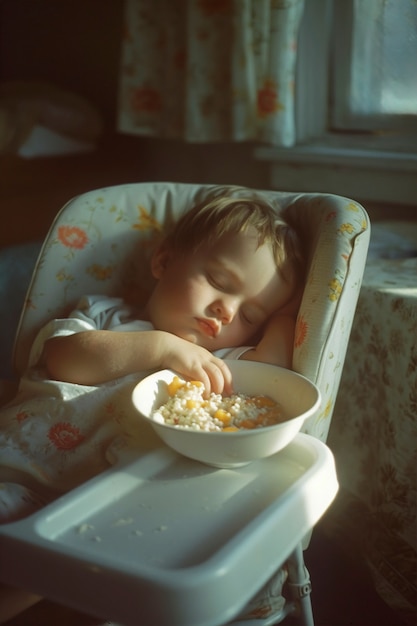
356, 103
374, 74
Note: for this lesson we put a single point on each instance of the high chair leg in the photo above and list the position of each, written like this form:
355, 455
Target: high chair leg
300, 586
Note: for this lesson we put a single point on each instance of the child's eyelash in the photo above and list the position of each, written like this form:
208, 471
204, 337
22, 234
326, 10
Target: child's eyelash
246, 319
218, 283
215, 281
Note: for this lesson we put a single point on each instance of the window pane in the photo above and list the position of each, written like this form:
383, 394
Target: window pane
377, 86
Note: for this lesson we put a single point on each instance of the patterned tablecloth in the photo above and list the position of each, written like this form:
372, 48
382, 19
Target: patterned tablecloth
374, 428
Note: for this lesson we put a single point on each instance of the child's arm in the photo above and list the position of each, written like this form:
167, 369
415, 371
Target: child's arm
98, 356
276, 344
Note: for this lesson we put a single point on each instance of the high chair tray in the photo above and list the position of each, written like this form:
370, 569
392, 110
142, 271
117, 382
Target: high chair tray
163, 540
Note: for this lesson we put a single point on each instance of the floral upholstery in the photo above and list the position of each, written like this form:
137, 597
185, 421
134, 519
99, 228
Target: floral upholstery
101, 241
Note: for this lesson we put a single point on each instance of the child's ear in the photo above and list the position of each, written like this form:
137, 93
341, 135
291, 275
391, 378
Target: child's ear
160, 260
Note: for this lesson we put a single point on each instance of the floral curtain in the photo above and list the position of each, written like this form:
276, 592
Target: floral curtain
210, 70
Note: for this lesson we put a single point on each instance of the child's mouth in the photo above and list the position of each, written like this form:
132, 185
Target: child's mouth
208, 328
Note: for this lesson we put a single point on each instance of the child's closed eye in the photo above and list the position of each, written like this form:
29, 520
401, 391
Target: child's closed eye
252, 316
247, 319
217, 280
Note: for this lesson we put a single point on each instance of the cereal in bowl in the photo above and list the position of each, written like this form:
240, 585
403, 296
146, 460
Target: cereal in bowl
186, 408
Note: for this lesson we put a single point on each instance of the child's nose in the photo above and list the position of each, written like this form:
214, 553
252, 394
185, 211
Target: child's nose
225, 310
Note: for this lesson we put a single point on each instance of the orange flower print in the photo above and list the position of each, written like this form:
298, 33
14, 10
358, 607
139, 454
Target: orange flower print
335, 289
268, 101
146, 99
113, 412
21, 416
346, 228
64, 436
327, 410
146, 221
63, 276
300, 332
72, 237
330, 216
100, 272
352, 207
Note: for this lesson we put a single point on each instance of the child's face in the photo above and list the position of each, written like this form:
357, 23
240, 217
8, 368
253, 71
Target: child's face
220, 296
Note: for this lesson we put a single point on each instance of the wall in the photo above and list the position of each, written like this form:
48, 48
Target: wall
75, 44
72, 43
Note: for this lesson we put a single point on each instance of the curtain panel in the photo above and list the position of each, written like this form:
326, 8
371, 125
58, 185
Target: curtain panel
210, 70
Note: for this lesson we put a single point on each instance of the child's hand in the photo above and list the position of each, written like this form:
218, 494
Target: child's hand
196, 363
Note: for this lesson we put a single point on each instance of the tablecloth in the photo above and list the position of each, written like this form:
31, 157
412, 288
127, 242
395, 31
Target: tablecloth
374, 428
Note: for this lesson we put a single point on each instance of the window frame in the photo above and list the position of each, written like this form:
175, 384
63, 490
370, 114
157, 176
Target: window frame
367, 166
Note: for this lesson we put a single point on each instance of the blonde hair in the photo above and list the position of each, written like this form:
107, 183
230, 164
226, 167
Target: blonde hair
208, 222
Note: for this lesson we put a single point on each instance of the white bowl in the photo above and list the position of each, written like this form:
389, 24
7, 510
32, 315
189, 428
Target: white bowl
298, 397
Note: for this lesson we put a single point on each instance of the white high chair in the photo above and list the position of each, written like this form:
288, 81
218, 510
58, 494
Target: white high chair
256, 519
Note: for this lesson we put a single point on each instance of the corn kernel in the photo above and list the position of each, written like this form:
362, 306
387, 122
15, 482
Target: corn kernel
223, 416
174, 385
192, 404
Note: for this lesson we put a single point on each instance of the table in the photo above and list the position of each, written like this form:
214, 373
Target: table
374, 428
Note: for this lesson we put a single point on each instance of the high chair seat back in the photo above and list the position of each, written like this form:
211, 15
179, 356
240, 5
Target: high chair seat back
101, 242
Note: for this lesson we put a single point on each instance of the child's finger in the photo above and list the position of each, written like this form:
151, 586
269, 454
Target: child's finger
220, 376
227, 377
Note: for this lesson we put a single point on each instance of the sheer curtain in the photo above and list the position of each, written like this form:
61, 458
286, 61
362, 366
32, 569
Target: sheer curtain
210, 70
375, 73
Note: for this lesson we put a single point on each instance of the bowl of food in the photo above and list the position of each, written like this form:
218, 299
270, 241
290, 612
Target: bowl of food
266, 411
